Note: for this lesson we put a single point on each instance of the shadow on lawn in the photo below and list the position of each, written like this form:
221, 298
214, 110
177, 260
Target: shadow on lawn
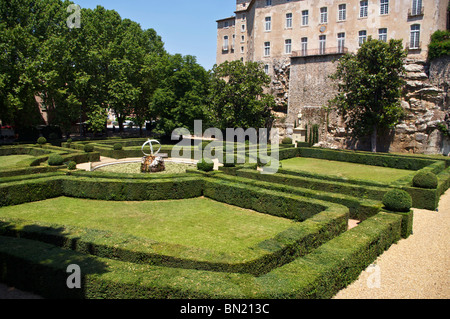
36, 259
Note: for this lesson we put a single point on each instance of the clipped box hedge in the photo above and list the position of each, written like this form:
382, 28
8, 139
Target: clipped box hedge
360, 209
375, 159
41, 268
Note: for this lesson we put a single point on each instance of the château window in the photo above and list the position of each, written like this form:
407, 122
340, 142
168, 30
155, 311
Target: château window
362, 37
268, 3
289, 20
288, 46
322, 44
266, 48
304, 46
384, 6
324, 15
268, 23
363, 9
382, 34
415, 37
342, 10
341, 42
225, 43
305, 17
266, 69
416, 7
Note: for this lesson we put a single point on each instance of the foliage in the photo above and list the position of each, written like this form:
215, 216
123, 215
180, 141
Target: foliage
41, 140
88, 148
55, 160
439, 45
117, 147
369, 85
425, 179
72, 165
237, 97
286, 140
397, 200
97, 120
181, 95
205, 166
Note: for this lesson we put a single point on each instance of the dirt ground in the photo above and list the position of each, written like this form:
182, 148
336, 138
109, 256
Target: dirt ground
415, 268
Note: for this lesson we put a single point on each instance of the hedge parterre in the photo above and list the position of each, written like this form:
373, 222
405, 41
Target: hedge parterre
314, 258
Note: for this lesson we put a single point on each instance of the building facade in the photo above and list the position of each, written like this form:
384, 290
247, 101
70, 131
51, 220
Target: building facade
298, 40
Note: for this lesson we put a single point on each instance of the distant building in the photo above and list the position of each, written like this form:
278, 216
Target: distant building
298, 40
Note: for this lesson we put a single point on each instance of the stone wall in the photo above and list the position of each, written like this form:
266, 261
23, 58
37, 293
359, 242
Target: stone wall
426, 105
425, 100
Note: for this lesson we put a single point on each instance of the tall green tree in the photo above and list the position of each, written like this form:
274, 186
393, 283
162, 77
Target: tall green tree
181, 94
370, 87
237, 96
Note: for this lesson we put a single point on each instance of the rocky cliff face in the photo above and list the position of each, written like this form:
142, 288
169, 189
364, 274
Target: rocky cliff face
426, 102
280, 84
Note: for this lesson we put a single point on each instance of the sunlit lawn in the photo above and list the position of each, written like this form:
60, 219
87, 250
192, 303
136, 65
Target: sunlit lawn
198, 222
344, 169
12, 160
135, 168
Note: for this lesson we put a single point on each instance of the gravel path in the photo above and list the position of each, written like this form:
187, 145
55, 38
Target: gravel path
415, 268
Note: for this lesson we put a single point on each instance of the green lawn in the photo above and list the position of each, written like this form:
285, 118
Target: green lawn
12, 160
199, 223
344, 169
135, 168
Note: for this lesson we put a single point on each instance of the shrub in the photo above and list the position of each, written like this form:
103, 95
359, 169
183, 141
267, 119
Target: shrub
69, 141
55, 160
88, 148
286, 140
439, 45
118, 147
72, 165
42, 140
397, 200
205, 166
425, 180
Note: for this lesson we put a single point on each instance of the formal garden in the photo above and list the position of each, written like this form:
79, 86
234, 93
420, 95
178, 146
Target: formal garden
200, 233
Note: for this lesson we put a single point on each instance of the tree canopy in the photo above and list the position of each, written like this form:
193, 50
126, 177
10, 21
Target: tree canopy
369, 88
238, 96
75, 74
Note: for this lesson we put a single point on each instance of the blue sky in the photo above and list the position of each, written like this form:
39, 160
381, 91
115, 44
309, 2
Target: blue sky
186, 27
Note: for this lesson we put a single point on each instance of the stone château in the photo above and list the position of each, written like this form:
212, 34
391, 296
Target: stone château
298, 41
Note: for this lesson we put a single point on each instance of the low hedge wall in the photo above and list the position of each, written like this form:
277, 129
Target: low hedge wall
295, 241
375, 159
360, 209
25, 191
263, 200
27, 171
320, 274
132, 190
367, 192
335, 264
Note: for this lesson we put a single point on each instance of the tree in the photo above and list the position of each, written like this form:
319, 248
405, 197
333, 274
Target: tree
237, 98
181, 95
370, 87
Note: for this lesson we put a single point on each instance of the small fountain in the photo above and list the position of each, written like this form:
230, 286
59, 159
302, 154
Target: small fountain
151, 163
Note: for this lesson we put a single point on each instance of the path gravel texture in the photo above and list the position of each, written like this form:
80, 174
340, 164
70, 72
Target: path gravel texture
414, 268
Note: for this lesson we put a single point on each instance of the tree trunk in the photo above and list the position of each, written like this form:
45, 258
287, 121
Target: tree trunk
373, 139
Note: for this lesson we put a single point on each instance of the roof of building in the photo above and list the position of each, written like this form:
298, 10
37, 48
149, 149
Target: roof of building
247, 8
224, 19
